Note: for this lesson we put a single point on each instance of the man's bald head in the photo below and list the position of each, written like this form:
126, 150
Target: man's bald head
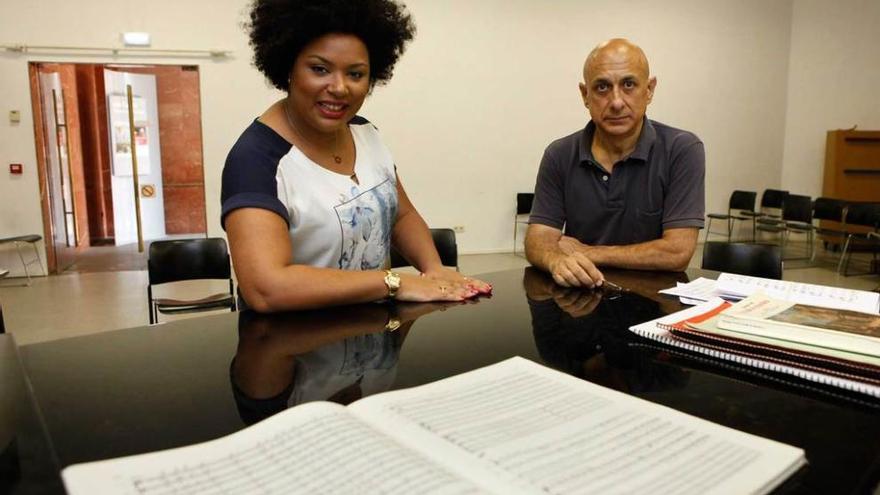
616, 51
617, 89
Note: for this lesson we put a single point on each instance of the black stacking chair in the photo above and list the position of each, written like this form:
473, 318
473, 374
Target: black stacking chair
188, 259
756, 260
797, 218
444, 241
772, 201
861, 215
833, 210
523, 208
740, 201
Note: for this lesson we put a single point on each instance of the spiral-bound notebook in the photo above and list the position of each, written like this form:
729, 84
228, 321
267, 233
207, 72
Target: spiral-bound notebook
657, 330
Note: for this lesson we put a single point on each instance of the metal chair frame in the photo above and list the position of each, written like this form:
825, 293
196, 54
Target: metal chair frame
832, 210
523, 208
21, 242
797, 218
865, 215
771, 199
188, 259
740, 201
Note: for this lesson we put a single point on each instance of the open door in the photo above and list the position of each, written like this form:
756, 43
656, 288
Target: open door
148, 215
85, 151
58, 175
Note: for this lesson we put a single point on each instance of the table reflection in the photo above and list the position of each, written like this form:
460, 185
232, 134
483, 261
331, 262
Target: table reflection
338, 355
584, 332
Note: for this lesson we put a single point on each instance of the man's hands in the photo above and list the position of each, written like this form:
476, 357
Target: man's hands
571, 267
563, 257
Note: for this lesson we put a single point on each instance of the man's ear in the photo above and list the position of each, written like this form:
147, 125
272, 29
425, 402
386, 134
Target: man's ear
652, 83
584, 90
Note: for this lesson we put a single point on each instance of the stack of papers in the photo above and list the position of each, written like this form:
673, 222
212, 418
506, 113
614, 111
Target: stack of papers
735, 287
791, 357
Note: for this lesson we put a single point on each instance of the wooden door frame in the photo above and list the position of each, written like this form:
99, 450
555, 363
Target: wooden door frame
40, 145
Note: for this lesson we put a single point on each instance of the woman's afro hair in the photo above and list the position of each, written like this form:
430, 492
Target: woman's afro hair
279, 29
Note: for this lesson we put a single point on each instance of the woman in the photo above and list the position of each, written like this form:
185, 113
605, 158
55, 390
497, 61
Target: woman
311, 198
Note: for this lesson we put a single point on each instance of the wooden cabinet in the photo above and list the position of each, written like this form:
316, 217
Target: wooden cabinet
852, 166
852, 170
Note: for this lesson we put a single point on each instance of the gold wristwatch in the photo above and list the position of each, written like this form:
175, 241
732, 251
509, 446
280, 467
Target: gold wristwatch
392, 282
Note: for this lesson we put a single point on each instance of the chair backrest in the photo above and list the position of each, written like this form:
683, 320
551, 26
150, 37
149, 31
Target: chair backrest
188, 259
798, 208
865, 214
756, 260
524, 203
444, 241
773, 198
742, 200
829, 209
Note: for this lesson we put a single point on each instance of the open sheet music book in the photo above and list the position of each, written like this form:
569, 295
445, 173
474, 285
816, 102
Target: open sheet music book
513, 427
804, 360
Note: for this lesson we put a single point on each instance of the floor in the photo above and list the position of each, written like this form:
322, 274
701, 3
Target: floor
86, 302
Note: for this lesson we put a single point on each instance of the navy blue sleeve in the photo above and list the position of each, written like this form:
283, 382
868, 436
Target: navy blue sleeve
685, 202
250, 170
548, 207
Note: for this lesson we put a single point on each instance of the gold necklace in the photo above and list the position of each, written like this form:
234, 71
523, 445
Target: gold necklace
336, 157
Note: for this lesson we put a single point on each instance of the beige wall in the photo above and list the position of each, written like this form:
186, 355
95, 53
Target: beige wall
833, 83
482, 90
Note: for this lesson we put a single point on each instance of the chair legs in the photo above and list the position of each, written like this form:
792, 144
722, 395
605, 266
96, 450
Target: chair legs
515, 231
19, 245
151, 306
846, 257
729, 229
514, 235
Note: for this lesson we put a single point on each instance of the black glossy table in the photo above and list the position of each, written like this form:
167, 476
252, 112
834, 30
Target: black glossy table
148, 388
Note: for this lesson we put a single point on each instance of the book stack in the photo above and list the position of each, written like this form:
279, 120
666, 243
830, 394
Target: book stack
823, 341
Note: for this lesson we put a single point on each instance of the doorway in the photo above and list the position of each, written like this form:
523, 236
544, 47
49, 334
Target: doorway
104, 187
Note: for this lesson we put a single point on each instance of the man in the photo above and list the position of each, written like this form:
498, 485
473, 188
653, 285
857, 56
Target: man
627, 190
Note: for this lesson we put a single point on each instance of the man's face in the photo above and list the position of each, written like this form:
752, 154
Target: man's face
617, 90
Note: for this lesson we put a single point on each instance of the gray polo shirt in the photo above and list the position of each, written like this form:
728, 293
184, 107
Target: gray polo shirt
659, 186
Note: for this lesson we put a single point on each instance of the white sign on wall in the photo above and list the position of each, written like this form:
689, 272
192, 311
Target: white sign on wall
120, 135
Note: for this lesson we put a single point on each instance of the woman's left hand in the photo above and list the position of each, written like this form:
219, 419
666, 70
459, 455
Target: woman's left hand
480, 287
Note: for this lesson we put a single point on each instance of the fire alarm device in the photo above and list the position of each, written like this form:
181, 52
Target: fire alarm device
15, 168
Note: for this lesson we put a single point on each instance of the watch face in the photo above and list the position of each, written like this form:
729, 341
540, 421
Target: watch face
392, 280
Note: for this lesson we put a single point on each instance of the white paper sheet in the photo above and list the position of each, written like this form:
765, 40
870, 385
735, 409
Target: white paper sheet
314, 448
735, 287
549, 432
695, 291
810, 294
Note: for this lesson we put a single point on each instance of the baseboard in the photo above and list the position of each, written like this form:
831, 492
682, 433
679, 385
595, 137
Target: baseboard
486, 251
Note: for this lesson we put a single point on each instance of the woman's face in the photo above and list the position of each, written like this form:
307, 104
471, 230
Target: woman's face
328, 82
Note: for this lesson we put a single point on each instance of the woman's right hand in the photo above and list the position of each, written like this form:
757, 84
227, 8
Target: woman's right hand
417, 288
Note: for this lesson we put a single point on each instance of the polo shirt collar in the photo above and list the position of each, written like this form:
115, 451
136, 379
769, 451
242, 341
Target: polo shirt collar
643, 145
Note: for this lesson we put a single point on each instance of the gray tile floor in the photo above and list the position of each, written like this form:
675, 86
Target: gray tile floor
75, 304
